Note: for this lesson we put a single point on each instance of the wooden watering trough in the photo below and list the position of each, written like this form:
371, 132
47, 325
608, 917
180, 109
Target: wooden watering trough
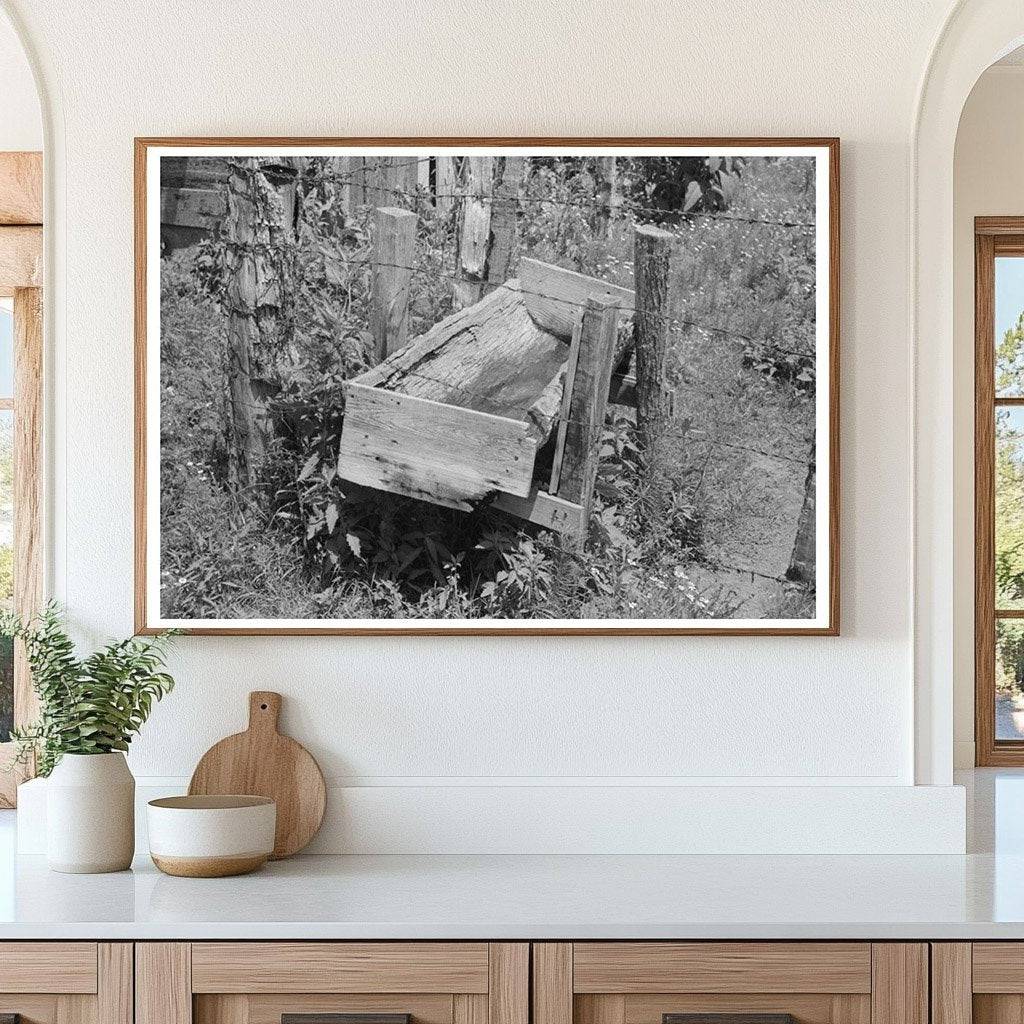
457, 416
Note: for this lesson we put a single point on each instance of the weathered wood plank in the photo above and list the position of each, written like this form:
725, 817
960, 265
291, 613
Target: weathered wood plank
493, 358
434, 452
444, 184
652, 256
353, 183
422, 347
568, 382
21, 258
586, 404
554, 296
544, 509
609, 194
473, 242
21, 188
194, 171
395, 179
476, 230
504, 218
802, 561
393, 247
192, 207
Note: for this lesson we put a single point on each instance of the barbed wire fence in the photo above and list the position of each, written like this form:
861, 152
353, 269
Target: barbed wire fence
382, 189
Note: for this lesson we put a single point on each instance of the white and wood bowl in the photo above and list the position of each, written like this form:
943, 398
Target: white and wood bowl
211, 836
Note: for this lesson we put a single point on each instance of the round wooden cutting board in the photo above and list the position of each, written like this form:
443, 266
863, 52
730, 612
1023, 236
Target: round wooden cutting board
262, 762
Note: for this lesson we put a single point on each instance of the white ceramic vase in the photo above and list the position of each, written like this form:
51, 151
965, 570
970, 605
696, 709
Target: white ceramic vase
90, 814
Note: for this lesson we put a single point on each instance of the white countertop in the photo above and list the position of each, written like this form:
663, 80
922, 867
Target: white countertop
532, 897
978, 896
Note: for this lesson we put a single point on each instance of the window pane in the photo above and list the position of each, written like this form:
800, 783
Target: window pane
1009, 324
1009, 533
1009, 679
6, 348
6, 567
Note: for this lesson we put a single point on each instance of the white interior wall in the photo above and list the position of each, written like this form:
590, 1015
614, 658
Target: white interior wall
433, 716
21, 125
988, 181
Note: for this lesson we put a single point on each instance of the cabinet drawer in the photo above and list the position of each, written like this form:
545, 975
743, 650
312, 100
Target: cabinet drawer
66, 982
48, 967
263, 982
340, 967
721, 967
981, 982
736, 982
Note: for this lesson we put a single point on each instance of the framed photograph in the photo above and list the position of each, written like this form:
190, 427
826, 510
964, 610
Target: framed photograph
487, 386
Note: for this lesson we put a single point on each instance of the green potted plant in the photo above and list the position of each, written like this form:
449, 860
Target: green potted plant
89, 710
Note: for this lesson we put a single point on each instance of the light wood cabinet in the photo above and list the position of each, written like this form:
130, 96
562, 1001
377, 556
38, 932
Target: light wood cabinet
494, 983
647, 982
977, 983
66, 982
262, 982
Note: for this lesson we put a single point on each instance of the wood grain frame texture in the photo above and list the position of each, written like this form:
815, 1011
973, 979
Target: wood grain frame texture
143, 144
21, 268
485, 983
837, 982
993, 236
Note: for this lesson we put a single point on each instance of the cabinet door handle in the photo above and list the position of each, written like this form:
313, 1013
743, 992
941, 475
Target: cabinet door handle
338, 1018
728, 1018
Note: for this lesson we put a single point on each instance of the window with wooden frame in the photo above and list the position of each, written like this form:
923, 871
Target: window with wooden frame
21, 365
999, 491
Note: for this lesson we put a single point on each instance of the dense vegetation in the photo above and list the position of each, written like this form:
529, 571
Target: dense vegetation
701, 527
1009, 512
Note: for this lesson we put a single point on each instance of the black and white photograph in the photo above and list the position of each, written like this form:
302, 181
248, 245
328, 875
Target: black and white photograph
462, 388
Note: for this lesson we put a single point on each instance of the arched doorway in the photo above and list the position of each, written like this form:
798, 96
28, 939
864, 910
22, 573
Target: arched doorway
975, 35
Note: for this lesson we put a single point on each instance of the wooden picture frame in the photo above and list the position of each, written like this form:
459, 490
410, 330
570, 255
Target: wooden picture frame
536, 506
21, 278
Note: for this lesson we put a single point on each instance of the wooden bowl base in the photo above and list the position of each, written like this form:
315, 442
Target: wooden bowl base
209, 867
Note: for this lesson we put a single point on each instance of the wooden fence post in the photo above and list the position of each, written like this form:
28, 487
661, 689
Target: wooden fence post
514, 171
588, 376
242, 231
354, 187
502, 243
393, 247
395, 179
476, 230
609, 195
802, 563
444, 183
650, 330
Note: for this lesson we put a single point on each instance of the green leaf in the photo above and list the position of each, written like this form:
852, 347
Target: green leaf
86, 706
